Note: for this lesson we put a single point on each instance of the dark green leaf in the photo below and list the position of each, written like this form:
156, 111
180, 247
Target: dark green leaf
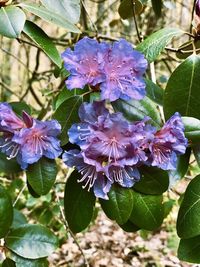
127, 8
154, 92
18, 107
155, 43
6, 212
49, 16
148, 211
129, 227
192, 129
67, 114
31, 241
23, 262
157, 7
12, 21
182, 91
42, 175
153, 181
188, 222
8, 263
134, 110
78, 203
182, 167
69, 9
43, 41
189, 250
168, 205
120, 204
18, 219
8, 166
31, 191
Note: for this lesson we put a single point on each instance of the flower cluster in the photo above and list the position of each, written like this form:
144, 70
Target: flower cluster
112, 149
117, 69
26, 138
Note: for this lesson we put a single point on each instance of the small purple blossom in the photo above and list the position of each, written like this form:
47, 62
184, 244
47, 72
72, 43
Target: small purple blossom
197, 8
117, 69
168, 143
83, 63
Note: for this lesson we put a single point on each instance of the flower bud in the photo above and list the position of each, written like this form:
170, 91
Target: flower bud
197, 8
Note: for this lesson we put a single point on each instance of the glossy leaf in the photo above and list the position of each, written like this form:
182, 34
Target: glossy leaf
182, 167
8, 263
153, 181
23, 262
6, 212
18, 219
19, 107
31, 241
67, 114
192, 129
153, 45
134, 110
188, 222
49, 16
129, 227
12, 21
43, 41
148, 211
120, 204
189, 250
78, 203
182, 91
157, 7
154, 92
8, 166
69, 9
128, 7
42, 175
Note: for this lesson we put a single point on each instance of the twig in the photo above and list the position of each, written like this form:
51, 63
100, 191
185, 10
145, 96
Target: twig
19, 195
71, 233
135, 21
92, 23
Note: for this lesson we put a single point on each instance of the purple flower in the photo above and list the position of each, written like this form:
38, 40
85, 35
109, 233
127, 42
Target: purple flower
84, 63
39, 140
168, 143
197, 8
123, 68
111, 148
90, 176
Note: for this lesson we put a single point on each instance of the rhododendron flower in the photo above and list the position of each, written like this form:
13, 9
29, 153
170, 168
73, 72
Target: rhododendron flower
117, 69
83, 63
106, 148
39, 140
197, 8
168, 143
123, 68
27, 139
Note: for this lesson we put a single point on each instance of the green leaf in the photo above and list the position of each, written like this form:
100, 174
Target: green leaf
6, 212
78, 203
8, 263
67, 114
134, 110
129, 227
69, 9
120, 204
182, 91
154, 92
42, 175
157, 7
43, 41
187, 49
188, 222
31, 241
153, 181
12, 21
148, 211
18, 107
23, 262
127, 7
196, 151
153, 45
8, 166
49, 16
189, 250
18, 219
192, 129
182, 167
